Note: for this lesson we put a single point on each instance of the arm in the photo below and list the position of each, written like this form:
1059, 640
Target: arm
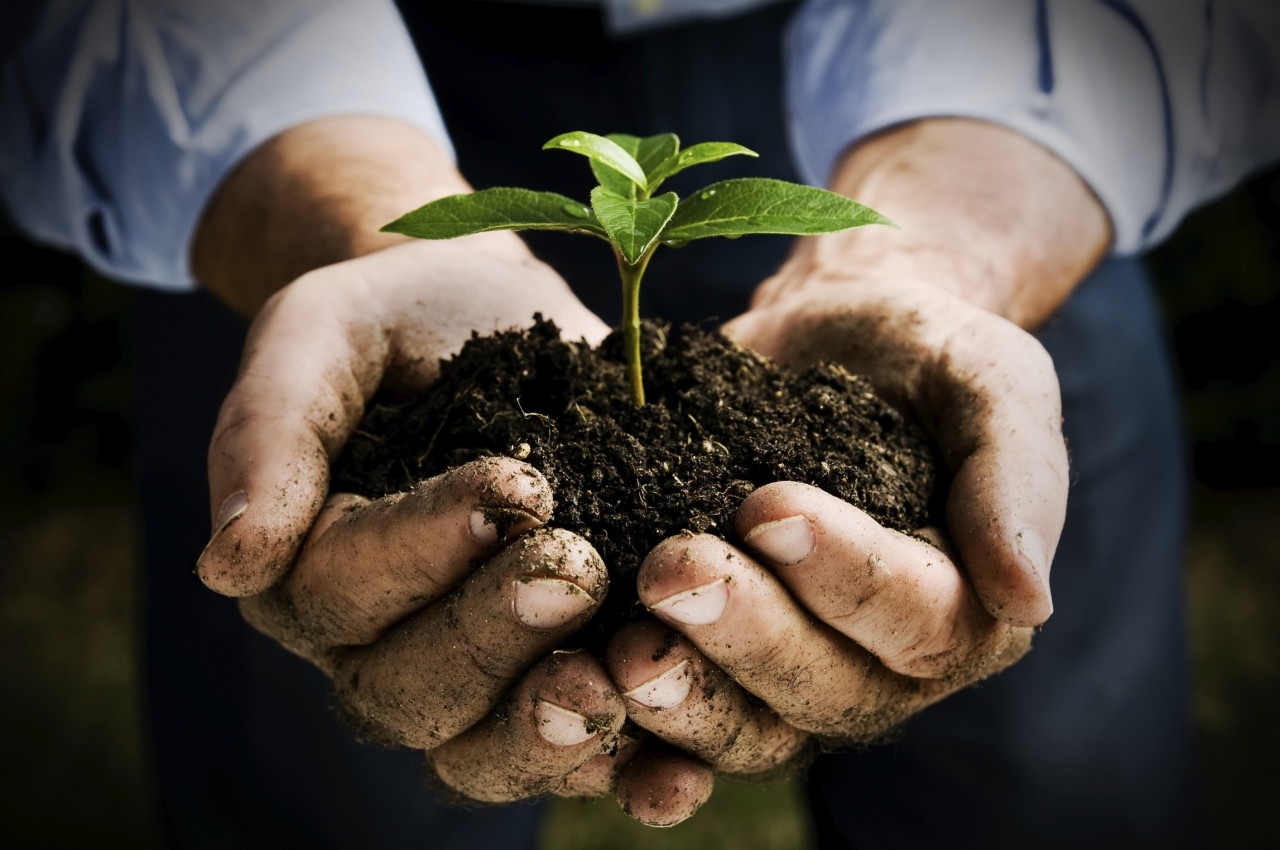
121, 119
314, 195
1158, 105
987, 215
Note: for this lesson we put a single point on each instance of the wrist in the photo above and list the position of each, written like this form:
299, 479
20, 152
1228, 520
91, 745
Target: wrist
985, 213
311, 196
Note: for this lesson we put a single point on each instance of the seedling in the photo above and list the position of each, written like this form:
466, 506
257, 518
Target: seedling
625, 212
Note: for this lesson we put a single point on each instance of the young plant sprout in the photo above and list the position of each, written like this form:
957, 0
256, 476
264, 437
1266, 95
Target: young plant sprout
625, 212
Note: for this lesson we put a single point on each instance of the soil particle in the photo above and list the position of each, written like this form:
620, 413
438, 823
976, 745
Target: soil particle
669, 642
720, 422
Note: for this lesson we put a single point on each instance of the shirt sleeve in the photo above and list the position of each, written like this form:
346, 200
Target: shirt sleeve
121, 117
1159, 105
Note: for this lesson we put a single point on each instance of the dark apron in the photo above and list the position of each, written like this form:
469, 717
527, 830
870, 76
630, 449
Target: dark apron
1086, 742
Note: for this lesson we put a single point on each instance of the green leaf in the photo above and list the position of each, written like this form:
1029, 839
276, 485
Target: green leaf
633, 225
649, 153
602, 150
652, 151
500, 208
763, 205
679, 160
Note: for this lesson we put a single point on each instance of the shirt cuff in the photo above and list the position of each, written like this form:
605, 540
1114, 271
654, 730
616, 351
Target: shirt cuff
1078, 78
126, 116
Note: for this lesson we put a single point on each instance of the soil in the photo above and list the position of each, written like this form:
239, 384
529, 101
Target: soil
719, 422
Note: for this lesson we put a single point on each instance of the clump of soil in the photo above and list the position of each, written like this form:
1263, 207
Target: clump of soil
719, 422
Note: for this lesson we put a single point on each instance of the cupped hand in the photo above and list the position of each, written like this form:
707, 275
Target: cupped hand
984, 389
817, 624
819, 627
438, 612
316, 353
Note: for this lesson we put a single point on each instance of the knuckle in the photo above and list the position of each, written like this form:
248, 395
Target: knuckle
771, 658
596, 778
972, 659
378, 718
879, 713
236, 416
942, 664
723, 751
864, 707
764, 746
483, 652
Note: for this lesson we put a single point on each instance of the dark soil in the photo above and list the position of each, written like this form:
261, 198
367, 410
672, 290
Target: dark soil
719, 422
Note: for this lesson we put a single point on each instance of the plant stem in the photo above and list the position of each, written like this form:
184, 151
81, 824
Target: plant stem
631, 275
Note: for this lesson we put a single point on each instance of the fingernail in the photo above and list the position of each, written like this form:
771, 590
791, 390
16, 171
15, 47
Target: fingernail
784, 541
1032, 549
560, 726
548, 603
665, 691
698, 607
231, 509
489, 525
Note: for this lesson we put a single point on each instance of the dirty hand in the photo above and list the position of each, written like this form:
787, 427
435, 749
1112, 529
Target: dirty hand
436, 612
841, 627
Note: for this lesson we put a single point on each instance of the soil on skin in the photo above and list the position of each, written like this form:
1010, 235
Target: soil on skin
719, 422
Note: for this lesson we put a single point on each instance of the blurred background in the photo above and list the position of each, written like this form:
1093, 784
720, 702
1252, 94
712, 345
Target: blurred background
72, 752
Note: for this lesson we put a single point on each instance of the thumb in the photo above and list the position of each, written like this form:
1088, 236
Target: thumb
999, 422
304, 377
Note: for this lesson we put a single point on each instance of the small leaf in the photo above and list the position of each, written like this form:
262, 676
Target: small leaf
652, 151
649, 152
702, 152
632, 225
602, 150
614, 181
500, 208
763, 205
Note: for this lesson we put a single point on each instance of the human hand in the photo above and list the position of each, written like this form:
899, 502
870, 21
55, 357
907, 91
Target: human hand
436, 612
841, 628
986, 392
820, 624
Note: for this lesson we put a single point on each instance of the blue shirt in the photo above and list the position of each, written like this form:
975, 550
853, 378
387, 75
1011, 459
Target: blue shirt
119, 118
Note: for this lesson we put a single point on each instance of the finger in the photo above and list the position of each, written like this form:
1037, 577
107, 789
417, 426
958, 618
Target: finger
745, 622
599, 775
444, 668
898, 597
664, 788
302, 385
675, 693
562, 714
1000, 426
421, 545
987, 392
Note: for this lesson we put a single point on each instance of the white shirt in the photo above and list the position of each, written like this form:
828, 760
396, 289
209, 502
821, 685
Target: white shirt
118, 118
